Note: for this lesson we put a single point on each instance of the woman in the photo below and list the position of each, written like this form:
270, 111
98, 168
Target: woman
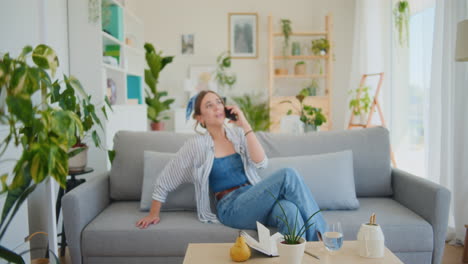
224, 161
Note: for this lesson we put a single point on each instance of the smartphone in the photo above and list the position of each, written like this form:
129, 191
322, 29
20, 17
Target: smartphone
230, 115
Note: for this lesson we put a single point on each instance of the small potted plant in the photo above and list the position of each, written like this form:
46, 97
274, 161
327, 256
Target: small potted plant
156, 105
287, 30
292, 245
319, 47
312, 117
300, 68
312, 88
360, 106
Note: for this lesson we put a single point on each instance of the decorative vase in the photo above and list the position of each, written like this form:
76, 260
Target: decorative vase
78, 162
291, 254
300, 69
371, 241
296, 49
157, 126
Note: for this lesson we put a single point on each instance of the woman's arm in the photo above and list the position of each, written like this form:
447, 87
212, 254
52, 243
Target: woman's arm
152, 217
255, 149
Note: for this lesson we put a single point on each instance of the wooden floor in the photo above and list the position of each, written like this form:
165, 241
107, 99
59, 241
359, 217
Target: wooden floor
452, 255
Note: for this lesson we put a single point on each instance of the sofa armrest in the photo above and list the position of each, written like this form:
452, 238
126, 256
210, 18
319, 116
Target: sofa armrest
429, 200
80, 206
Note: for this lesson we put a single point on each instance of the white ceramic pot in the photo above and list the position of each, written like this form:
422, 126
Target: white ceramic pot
371, 241
363, 118
79, 161
291, 254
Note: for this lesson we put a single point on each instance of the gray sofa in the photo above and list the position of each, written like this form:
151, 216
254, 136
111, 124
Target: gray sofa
100, 215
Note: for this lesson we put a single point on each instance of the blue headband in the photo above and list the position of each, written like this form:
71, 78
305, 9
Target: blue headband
190, 106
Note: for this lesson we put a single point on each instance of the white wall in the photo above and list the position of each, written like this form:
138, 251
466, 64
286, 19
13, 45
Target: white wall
20, 26
166, 21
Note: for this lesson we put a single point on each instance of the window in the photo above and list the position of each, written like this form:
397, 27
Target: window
410, 86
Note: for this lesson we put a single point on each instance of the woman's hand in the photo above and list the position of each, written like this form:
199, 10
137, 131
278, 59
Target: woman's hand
241, 120
146, 221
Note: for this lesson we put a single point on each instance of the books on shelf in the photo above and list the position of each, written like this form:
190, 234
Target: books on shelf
266, 243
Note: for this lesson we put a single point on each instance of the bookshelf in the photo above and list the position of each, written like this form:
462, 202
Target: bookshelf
109, 48
277, 81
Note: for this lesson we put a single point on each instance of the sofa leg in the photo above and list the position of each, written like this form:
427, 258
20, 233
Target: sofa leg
465, 252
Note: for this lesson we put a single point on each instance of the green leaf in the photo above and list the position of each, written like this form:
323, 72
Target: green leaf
76, 85
46, 58
19, 201
75, 152
21, 107
111, 154
17, 80
10, 256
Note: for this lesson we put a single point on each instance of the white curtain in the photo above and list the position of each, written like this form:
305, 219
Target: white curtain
371, 43
447, 118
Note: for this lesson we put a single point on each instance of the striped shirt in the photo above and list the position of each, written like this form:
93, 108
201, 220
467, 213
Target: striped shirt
193, 163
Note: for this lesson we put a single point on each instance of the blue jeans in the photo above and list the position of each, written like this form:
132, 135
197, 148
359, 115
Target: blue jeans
243, 207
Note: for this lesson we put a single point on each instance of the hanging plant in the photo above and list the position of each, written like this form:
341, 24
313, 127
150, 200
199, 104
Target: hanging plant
402, 16
287, 30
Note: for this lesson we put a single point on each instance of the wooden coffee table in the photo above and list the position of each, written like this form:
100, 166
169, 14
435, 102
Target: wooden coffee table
218, 253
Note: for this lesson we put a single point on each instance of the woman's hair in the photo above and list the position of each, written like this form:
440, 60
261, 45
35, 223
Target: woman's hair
197, 108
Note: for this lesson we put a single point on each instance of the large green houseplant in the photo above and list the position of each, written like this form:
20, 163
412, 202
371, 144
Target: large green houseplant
257, 113
154, 98
73, 98
312, 117
44, 131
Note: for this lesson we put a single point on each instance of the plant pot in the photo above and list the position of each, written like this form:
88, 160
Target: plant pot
79, 161
291, 254
157, 126
281, 71
362, 118
300, 69
310, 128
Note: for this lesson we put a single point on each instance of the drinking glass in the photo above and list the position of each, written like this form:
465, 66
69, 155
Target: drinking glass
333, 236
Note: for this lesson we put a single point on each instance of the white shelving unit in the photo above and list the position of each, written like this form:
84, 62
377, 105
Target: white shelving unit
89, 43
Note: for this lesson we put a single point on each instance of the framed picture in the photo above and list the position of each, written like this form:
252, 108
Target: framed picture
188, 44
243, 35
201, 77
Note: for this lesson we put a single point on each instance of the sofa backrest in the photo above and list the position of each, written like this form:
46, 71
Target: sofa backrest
370, 147
126, 176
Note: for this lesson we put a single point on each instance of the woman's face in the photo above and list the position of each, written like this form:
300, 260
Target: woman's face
212, 110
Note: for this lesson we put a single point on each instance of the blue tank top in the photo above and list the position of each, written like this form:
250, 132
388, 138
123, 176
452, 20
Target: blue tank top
227, 172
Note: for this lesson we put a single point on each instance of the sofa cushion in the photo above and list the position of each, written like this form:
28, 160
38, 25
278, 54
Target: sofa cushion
126, 174
183, 198
370, 147
404, 230
113, 233
329, 177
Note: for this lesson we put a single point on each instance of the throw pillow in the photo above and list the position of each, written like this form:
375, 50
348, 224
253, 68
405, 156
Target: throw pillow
181, 199
329, 176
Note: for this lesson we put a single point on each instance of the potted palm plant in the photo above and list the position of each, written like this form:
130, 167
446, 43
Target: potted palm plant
43, 131
257, 113
312, 117
154, 98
